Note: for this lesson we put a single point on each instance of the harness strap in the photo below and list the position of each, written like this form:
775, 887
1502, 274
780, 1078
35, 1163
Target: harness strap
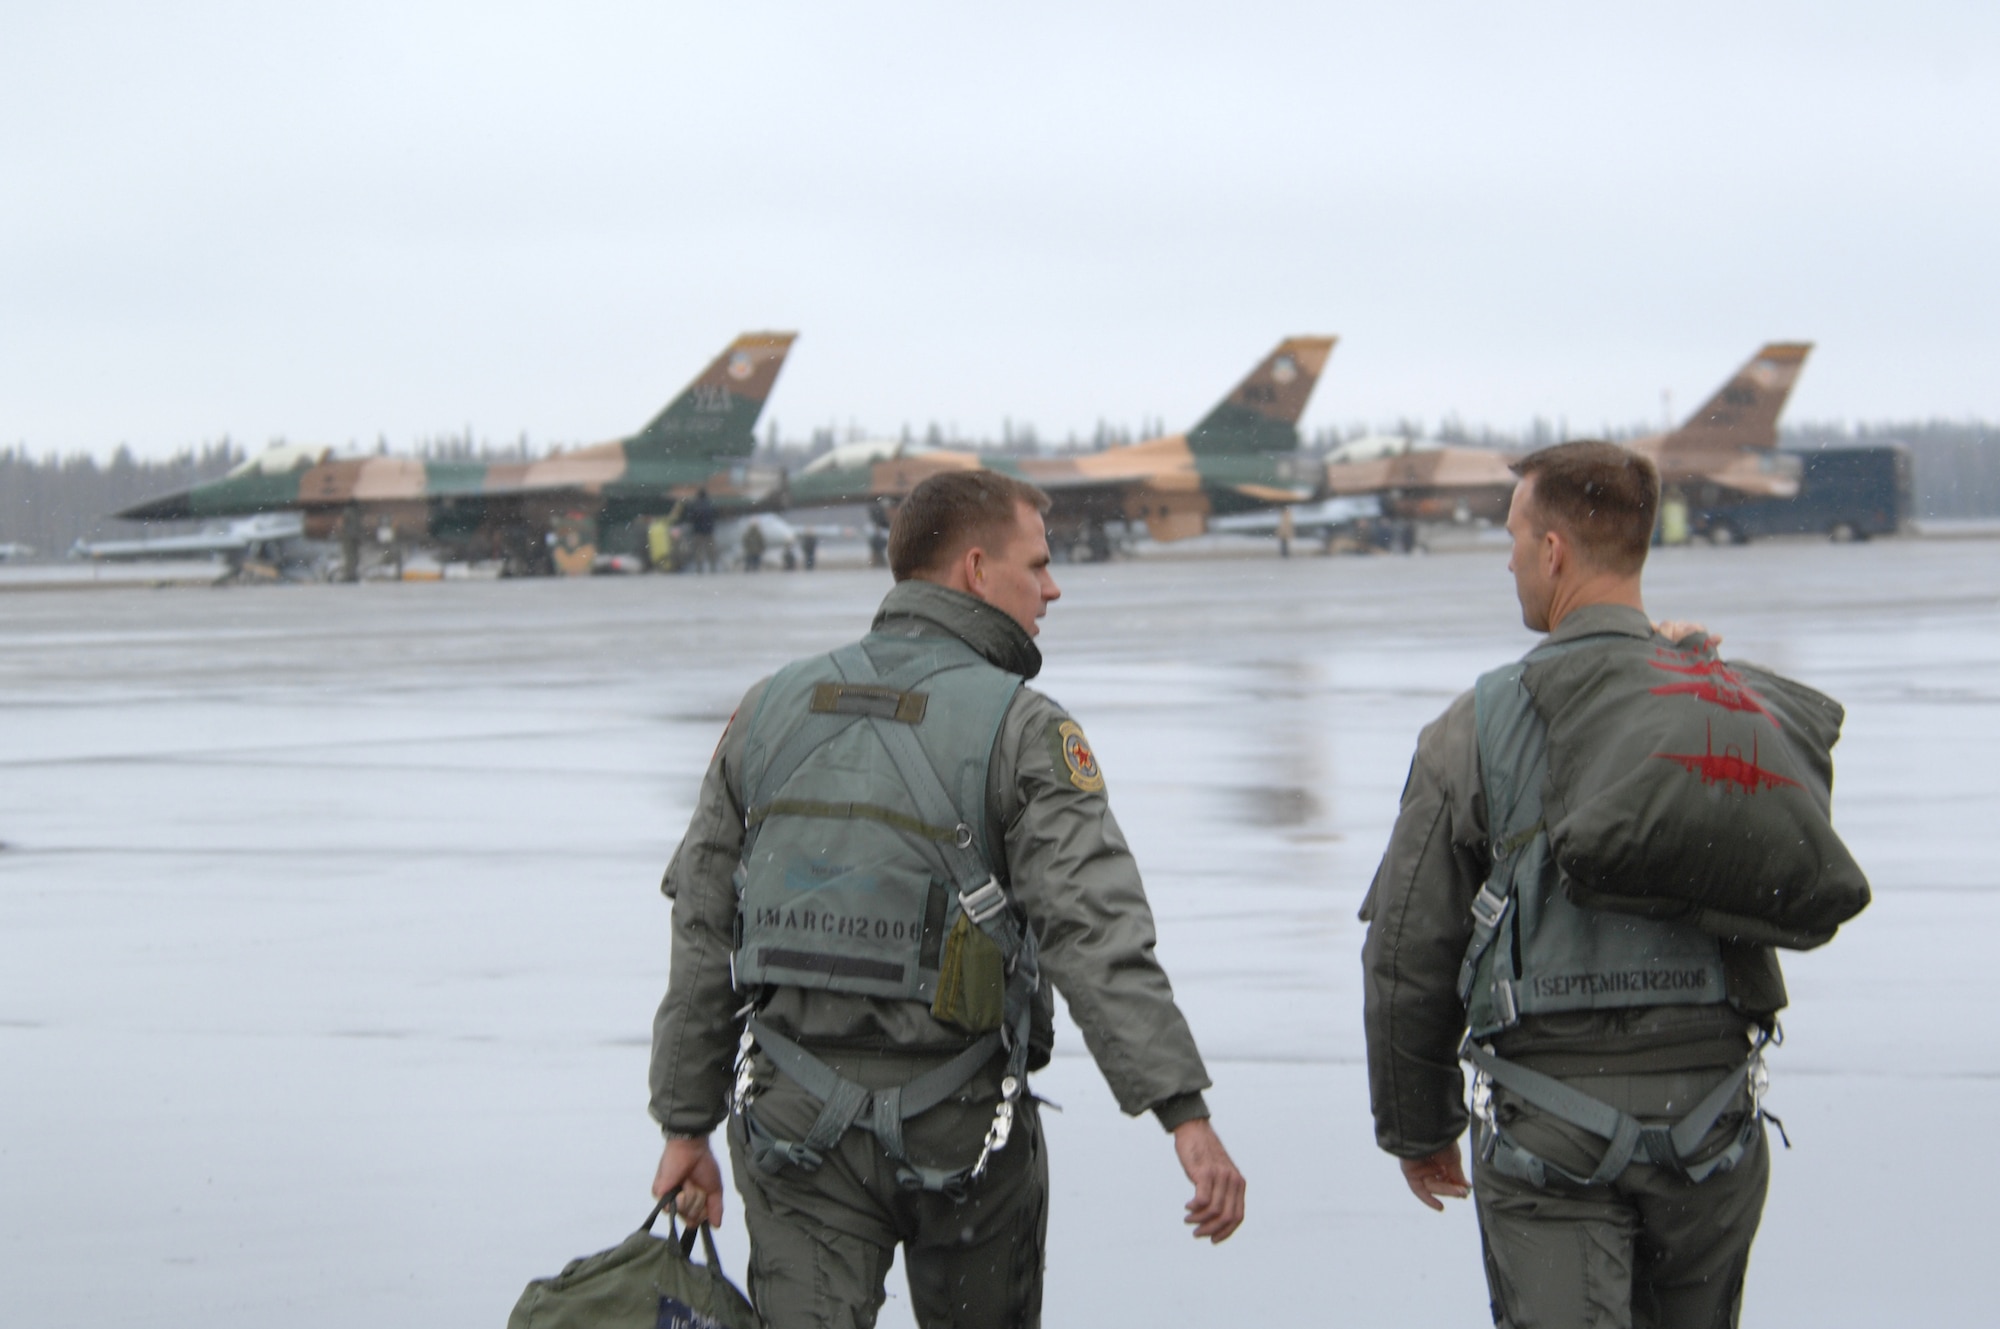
848, 1105
1489, 911
1513, 825
1626, 1137
919, 1096
1513, 822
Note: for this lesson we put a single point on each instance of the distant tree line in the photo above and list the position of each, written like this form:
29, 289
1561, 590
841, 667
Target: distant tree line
52, 501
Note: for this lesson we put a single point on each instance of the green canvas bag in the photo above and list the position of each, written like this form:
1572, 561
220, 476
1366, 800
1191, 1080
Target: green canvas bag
1684, 786
644, 1282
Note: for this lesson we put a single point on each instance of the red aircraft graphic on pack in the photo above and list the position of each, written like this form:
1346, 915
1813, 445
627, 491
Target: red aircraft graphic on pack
1711, 681
1728, 767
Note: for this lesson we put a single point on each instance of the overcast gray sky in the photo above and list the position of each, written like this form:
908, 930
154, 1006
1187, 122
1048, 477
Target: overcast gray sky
333, 222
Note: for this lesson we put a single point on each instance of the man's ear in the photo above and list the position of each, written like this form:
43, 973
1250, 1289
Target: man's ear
1555, 552
967, 570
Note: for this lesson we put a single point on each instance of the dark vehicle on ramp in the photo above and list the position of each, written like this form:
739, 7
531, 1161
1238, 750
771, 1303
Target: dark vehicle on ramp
1844, 494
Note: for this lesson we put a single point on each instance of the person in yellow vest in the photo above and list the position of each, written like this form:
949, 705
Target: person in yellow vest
660, 544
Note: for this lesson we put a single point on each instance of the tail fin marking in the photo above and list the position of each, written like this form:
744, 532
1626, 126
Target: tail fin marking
1262, 413
716, 416
1744, 413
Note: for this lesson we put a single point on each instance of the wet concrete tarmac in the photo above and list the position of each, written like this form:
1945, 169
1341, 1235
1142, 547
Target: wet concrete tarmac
330, 938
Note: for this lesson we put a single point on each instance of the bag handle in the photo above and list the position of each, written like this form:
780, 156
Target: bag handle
686, 1237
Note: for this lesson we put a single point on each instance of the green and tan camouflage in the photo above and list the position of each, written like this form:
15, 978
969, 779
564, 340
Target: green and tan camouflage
557, 510
1728, 448
1244, 455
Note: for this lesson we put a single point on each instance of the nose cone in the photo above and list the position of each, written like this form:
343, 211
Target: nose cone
244, 492
169, 507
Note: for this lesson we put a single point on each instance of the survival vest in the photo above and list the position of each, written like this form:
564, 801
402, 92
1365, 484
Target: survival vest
1537, 949
867, 870
1534, 950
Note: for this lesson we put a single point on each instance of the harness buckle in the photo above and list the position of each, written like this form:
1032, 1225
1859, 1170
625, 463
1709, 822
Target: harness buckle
996, 1138
1002, 1127
984, 905
1488, 905
1482, 1100
745, 1074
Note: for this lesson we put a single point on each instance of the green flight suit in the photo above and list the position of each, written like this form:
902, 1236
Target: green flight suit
1648, 1249
822, 1240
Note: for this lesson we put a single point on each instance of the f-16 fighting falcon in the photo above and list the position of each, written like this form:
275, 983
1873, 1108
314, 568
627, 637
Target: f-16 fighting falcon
1243, 456
1727, 449
538, 516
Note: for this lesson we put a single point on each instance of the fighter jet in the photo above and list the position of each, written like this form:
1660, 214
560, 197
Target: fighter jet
537, 516
1726, 449
1241, 457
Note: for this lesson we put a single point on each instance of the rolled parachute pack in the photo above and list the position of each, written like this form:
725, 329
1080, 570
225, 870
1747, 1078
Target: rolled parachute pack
1682, 786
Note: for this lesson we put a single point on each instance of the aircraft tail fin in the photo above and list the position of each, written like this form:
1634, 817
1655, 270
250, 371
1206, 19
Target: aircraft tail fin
1744, 414
1262, 413
717, 414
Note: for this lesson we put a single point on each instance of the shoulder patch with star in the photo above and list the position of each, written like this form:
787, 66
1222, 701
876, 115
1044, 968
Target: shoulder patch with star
1074, 757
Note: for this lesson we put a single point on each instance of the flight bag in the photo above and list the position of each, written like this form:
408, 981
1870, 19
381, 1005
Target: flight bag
1683, 786
644, 1282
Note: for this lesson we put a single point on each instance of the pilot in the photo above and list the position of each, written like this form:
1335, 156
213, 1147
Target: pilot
898, 851
1573, 1233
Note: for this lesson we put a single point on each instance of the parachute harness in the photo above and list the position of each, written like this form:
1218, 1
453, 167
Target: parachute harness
848, 1105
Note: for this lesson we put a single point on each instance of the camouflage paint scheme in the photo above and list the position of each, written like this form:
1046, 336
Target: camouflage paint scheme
1242, 456
1728, 447
584, 497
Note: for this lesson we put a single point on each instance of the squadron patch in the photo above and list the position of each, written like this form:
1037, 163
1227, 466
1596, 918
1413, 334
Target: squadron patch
1078, 758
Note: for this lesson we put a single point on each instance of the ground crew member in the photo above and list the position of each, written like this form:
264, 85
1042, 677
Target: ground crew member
897, 852
702, 551
659, 545
1573, 1234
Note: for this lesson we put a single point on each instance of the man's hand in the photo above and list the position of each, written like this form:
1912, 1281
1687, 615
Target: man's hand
1679, 630
1436, 1178
1217, 1207
688, 1165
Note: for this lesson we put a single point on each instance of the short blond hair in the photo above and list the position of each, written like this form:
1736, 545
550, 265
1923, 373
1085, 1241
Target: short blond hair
950, 513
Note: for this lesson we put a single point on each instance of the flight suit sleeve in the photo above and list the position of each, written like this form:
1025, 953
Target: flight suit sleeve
1419, 916
697, 1027
1072, 872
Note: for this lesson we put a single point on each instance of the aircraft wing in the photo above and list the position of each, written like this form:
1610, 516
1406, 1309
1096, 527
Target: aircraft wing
1437, 468
1430, 484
